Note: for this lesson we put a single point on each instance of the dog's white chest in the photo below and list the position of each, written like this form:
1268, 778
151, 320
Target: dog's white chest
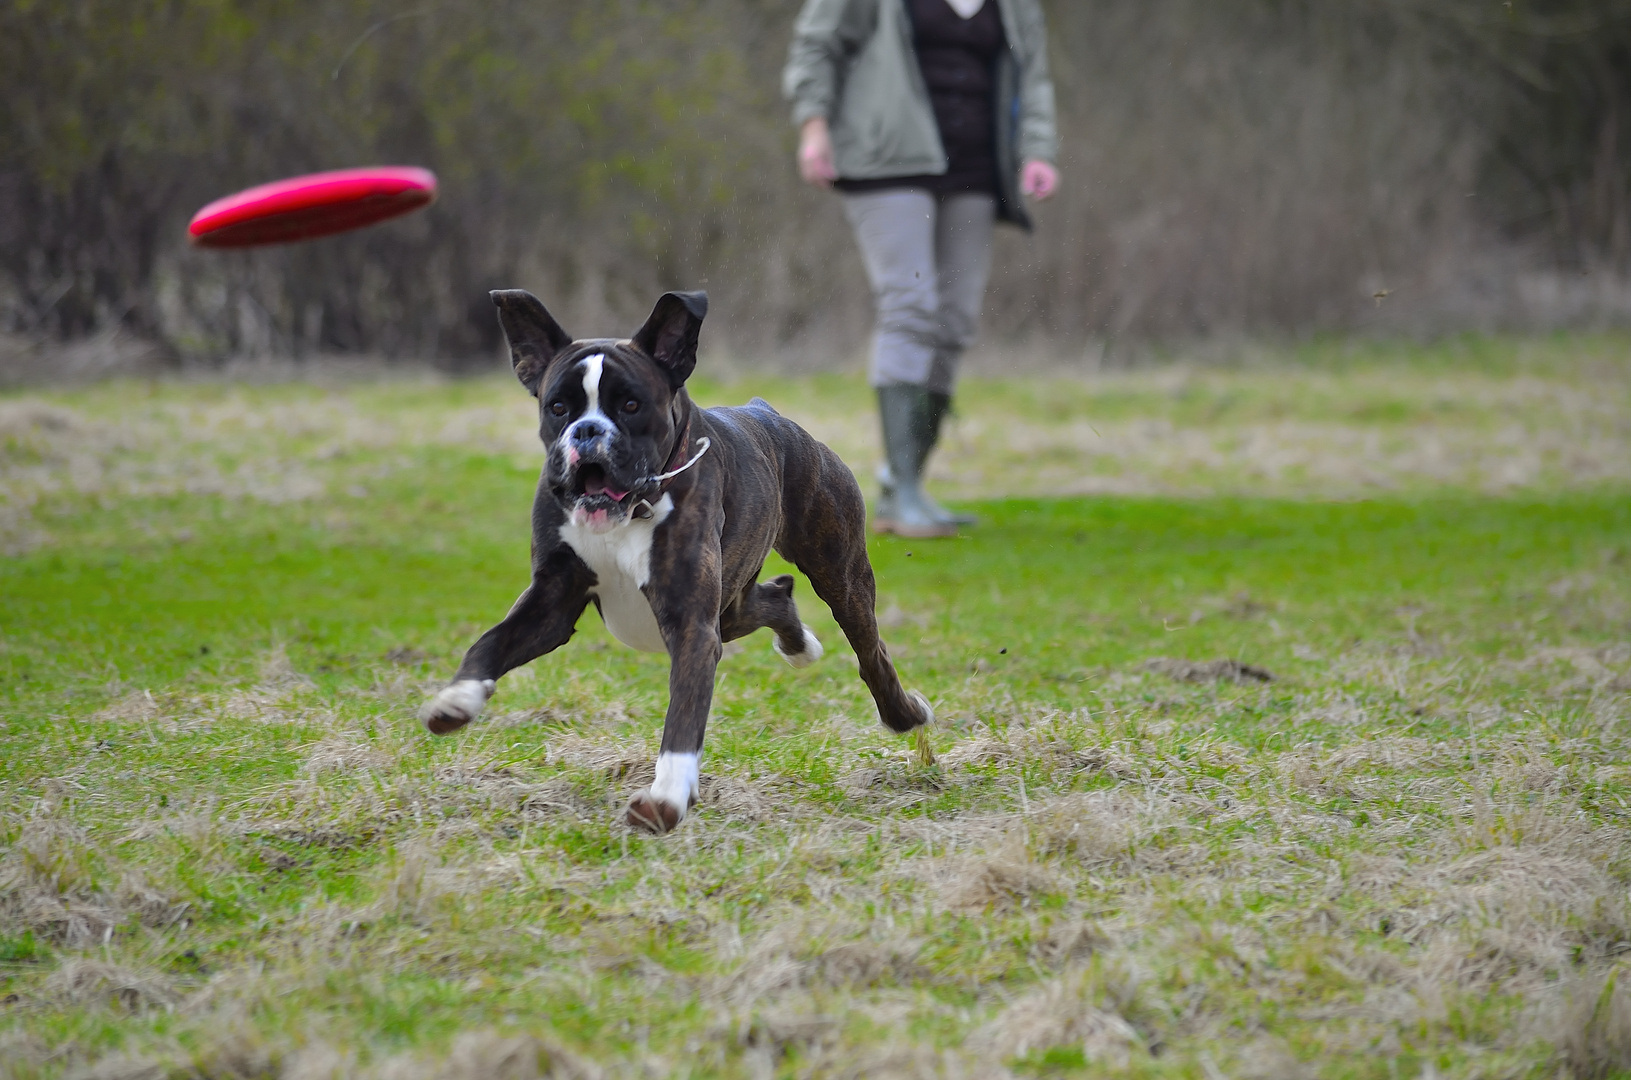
621, 560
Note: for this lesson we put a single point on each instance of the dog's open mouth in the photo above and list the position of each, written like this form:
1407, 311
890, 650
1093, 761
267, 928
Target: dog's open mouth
591, 483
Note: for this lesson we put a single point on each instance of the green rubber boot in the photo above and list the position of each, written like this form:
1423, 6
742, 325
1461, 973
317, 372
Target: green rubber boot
905, 510
934, 408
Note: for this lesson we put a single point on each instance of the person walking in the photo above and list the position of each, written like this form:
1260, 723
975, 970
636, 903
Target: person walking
931, 117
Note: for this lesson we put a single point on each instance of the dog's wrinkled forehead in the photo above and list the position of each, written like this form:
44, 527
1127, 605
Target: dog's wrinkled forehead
591, 372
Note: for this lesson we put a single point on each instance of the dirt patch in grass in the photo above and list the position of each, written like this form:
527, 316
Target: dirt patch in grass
1209, 670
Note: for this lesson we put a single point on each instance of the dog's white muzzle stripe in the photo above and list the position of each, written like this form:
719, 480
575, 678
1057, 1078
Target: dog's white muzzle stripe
594, 366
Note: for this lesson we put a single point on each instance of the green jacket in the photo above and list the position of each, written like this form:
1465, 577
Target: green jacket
852, 62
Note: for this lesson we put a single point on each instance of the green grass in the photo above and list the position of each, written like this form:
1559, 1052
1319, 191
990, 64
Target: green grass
229, 850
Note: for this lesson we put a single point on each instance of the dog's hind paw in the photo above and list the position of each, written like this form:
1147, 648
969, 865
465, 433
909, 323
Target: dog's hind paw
923, 705
908, 715
456, 705
809, 653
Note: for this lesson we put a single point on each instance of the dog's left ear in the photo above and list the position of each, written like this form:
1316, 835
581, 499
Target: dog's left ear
670, 334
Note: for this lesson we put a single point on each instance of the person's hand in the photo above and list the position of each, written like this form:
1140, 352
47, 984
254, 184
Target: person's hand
1039, 179
815, 153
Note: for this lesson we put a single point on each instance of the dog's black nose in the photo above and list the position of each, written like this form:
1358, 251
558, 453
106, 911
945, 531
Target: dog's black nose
585, 431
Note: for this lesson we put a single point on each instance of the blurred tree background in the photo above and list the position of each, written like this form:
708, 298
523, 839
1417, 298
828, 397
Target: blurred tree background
1261, 167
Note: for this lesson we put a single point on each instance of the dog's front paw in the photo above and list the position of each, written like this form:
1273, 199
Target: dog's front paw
650, 814
456, 705
809, 652
660, 808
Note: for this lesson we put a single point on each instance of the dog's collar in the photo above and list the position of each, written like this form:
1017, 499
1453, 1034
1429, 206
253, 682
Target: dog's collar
677, 455
644, 508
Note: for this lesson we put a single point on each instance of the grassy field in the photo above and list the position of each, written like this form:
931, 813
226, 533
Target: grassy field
227, 850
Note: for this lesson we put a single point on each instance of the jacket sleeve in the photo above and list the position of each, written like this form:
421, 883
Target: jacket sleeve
1038, 133
826, 35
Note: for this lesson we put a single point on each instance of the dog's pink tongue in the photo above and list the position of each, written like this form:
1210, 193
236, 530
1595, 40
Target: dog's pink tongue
598, 487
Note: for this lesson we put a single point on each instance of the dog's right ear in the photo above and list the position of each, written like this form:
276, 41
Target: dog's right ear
534, 335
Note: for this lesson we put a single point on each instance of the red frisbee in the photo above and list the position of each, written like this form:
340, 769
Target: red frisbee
306, 207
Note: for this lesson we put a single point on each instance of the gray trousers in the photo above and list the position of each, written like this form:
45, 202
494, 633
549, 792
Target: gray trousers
927, 258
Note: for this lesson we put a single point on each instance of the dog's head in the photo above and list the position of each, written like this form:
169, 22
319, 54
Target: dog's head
609, 411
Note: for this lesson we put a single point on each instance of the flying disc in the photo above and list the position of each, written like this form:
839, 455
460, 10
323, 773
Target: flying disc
306, 207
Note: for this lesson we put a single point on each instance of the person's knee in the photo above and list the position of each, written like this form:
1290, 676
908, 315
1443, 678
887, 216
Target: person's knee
958, 329
910, 311
902, 357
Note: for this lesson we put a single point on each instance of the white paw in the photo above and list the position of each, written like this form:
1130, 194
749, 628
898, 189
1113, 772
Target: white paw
928, 710
677, 780
661, 807
456, 705
811, 652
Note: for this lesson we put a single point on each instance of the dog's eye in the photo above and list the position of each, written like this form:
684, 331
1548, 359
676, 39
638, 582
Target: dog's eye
557, 408
631, 406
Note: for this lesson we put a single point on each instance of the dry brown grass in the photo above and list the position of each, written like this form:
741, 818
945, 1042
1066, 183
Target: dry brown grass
1591, 1025
1513, 896
1408, 850
54, 884
1082, 1009
1552, 421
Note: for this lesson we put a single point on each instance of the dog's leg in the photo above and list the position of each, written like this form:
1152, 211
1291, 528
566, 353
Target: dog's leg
541, 621
770, 603
686, 605
852, 595
826, 539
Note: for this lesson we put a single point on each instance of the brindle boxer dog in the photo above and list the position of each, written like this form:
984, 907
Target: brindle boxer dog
661, 514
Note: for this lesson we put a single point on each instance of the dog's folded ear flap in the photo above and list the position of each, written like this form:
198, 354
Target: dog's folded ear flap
534, 335
670, 334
